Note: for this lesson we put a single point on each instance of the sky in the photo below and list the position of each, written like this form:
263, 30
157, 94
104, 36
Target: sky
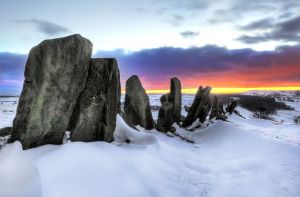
222, 43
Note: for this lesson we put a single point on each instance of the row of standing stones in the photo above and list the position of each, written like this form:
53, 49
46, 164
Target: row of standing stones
67, 90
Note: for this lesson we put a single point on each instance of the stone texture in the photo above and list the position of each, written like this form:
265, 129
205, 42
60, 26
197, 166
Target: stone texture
55, 74
200, 107
175, 98
94, 116
136, 107
187, 108
215, 108
5, 131
164, 98
231, 106
165, 117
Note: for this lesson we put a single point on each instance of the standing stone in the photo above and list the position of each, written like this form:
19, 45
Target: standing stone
137, 108
175, 98
165, 117
200, 107
231, 106
94, 116
215, 108
164, 98
55, 74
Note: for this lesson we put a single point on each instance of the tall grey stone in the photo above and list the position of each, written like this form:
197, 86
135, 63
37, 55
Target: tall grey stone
94, 116
231, 106
164, 98
175, 98
55, 74
200, 107
215, 108
165, 117
137, 107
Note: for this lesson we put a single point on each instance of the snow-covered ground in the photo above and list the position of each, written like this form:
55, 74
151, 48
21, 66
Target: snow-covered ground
242, 157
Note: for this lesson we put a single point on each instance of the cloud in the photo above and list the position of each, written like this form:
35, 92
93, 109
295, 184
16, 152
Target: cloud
11, 72
189, 34
235, 10
175, 12
287, 31
46, 27
211, 64
259, 25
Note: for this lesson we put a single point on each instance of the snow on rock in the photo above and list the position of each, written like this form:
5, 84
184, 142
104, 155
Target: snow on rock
125, 134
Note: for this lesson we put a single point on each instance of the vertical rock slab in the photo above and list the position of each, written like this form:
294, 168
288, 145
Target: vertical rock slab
164, 98
231, 106
200, 107
215, 108
137, 107
55, 74
175, 98
165, 117
94, 116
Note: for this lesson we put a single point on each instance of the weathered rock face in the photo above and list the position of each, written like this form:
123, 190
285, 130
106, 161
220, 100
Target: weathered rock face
231, 106
175, 98
215, 108
164, 98
165, 117
94, 116
200, 107
137, 108
5, 131
55, 74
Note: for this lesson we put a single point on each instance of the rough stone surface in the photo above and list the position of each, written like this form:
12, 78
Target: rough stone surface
136, 107
55, 74
200, 107
231, 106
164, 98
5, 131
94, 116
187, 108
175, 98
215, 108
165, 117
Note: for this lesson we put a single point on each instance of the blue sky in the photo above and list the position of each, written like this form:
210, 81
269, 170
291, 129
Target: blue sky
134, 26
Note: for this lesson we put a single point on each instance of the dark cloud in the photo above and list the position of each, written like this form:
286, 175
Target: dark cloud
189, 34
259, 25
288, 30
162, 63
12, 65
46, 27
11, 73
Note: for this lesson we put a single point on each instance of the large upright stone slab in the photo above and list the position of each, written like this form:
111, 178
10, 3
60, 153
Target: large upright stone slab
165, 117
94, 116
215, 107
175, 98
137, 107
55, 74
200, 107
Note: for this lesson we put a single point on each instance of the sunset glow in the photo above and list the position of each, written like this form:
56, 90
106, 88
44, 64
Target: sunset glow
225, 90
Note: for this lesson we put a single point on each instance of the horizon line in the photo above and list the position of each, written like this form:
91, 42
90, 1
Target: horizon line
223, 90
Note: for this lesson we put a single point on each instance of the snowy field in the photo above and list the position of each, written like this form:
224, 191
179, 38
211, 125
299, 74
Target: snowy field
240, 158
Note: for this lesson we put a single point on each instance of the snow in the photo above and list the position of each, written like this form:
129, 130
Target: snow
125, 134
242, 157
